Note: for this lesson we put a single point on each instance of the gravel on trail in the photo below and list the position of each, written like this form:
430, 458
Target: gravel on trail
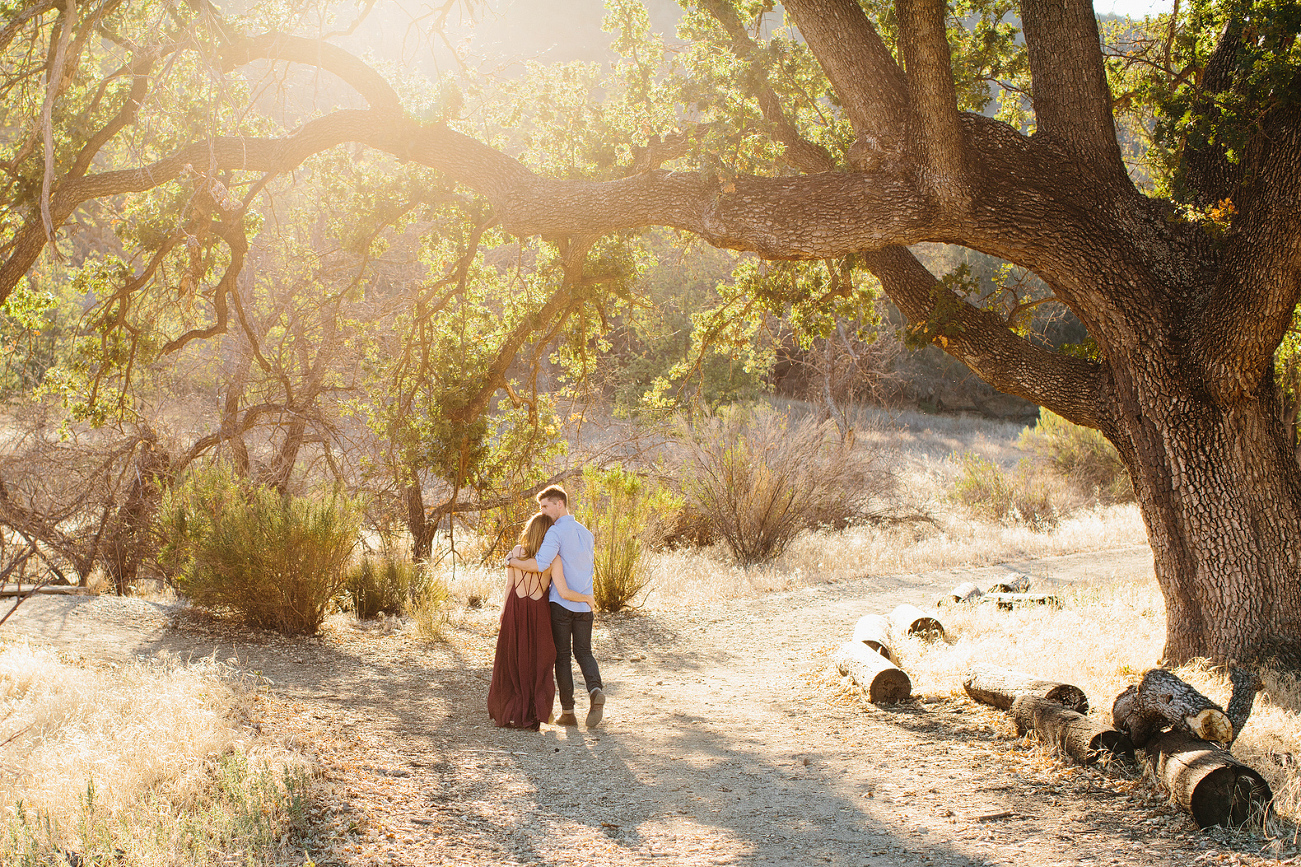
728, 739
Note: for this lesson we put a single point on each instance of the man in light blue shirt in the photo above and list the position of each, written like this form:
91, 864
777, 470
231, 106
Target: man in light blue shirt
571, 622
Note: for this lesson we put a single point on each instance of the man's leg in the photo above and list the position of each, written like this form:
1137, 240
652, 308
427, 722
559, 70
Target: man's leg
561, 628
582, 635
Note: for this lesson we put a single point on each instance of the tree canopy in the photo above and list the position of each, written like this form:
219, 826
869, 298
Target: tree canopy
828, 132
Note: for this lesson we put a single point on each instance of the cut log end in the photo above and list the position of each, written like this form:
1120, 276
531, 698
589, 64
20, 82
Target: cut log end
1209, 782
880, 679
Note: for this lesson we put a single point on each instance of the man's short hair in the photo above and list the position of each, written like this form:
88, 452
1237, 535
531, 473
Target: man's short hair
553, 492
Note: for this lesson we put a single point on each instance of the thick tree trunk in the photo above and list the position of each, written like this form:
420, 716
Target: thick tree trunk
419, 525
1220, 491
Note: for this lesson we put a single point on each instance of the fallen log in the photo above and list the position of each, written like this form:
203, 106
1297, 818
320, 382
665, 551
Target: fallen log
965, 592
911, 620
1161, 700
1013, 583
873, 630
1008, 601
1207, 781
1000, 688
1069, 732
10, 590
881, 679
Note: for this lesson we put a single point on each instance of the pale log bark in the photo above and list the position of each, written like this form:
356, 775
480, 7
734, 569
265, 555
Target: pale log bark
873, 630
1070, 733
1000, 687
910, 620
965, 592
878, 677
1008, 601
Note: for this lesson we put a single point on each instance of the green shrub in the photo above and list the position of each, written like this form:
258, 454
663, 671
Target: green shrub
1024, 497
618, 507
276, 560
382, 585
758, 479
431, 609
1080, 454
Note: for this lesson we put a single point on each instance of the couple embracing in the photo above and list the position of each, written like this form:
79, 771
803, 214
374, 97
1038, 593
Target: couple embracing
548, 610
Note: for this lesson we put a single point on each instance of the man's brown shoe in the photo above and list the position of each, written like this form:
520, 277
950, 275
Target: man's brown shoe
567, 718
597, 710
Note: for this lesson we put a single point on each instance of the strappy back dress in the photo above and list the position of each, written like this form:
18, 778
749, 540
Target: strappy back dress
523, 673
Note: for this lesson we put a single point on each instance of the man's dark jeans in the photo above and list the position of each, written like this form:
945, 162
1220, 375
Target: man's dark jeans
573, 627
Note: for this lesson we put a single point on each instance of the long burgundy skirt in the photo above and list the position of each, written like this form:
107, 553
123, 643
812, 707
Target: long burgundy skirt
524, 671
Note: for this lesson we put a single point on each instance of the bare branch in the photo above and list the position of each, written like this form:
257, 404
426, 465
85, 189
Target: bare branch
800, 152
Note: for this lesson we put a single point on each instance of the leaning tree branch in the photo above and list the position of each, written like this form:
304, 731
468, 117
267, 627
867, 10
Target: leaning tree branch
938, 131
981, 340
1072, 103
800, 152
859, 65
314, 52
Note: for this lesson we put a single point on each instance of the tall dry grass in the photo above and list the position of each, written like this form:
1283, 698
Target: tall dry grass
142, 763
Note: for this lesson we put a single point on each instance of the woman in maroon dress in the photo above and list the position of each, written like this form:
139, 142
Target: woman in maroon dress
523, 674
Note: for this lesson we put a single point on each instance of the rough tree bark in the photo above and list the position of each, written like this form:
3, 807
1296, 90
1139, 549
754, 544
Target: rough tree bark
1186, 313
1001, 688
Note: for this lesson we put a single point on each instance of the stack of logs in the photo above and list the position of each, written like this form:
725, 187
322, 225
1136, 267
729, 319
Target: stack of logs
1012, 592
869, 659
1183, 734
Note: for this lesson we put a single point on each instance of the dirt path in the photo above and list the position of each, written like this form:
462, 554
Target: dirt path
725, 742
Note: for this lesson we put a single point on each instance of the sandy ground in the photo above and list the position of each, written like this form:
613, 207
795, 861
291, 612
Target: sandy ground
728, 739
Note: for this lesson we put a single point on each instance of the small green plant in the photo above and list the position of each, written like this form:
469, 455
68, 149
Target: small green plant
276, 560
431, 609
382, 585
618, 507
1023, 497
245, 807
1080, 454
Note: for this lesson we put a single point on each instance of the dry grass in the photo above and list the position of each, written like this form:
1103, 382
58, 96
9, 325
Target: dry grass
149, 758
1102, 639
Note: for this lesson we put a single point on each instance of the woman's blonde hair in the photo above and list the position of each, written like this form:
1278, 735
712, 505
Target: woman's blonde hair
534, 531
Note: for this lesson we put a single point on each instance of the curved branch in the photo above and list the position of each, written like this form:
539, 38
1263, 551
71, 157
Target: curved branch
800, 152
1072, 102
233, 234
314, 52
1070, 387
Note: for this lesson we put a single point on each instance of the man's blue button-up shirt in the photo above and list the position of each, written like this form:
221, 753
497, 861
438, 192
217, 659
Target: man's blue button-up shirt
576, 548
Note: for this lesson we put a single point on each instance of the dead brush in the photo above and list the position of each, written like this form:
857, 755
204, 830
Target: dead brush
758, 478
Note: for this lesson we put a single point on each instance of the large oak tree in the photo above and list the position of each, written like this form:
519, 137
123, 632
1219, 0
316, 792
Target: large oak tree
1185, 296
